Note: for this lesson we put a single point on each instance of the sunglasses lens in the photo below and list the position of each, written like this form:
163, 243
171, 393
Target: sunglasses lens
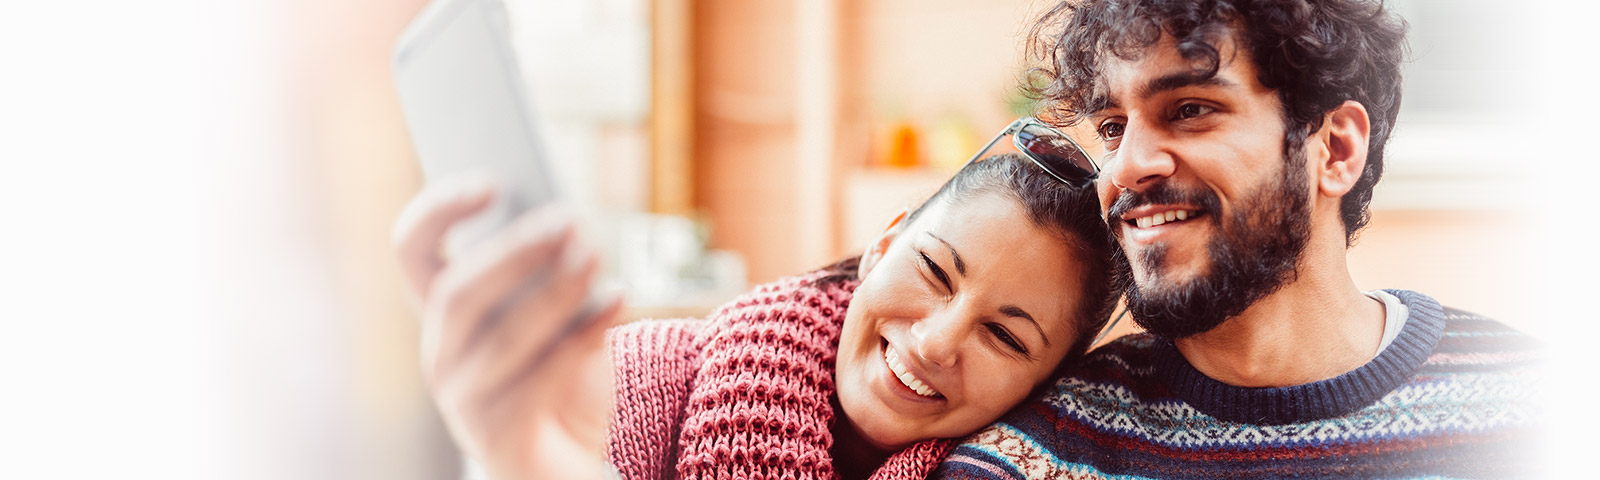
1056, 152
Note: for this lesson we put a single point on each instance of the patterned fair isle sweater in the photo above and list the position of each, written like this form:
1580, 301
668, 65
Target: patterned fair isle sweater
1453, 396
744, 394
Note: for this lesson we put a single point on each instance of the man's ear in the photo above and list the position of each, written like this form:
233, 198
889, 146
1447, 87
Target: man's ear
880, 245
1345, 133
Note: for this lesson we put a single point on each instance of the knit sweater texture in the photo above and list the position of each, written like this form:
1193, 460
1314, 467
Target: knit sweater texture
1453, 396
746, 393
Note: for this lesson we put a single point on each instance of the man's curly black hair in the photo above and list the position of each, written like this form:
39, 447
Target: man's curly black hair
1315, 54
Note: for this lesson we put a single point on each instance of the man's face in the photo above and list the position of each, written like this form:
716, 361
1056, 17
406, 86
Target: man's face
1211, 213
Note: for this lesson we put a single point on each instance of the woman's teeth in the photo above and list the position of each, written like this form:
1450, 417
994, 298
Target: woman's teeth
910, 381
1164, 217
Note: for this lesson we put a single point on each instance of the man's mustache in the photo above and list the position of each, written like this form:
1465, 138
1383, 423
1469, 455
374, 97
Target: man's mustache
1163, 193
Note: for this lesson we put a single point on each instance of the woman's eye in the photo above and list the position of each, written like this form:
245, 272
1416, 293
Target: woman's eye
1192, 110
1006, 337
1110, 131
938, 273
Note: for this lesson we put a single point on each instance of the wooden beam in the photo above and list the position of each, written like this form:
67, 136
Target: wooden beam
671, 108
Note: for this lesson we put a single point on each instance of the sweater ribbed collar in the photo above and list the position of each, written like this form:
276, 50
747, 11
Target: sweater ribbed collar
1316, 400
762, 402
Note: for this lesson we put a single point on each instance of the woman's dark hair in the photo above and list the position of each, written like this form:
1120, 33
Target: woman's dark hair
1072, 213
1315, 55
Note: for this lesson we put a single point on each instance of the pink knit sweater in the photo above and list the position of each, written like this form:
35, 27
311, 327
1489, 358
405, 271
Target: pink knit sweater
742, 394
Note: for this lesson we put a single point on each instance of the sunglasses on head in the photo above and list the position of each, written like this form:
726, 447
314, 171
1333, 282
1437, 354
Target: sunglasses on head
1050, 149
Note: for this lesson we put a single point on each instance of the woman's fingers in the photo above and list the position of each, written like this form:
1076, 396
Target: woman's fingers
540, 323
533, 352
556, 308
419, 232
471, 295
571, 381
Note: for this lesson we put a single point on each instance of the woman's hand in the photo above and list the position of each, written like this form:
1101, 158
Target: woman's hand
521, 391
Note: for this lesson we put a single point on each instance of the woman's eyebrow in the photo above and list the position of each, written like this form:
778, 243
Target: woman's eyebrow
1015, 311
961, 267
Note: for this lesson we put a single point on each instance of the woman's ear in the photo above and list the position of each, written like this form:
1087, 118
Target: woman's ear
880, 245
1346, 131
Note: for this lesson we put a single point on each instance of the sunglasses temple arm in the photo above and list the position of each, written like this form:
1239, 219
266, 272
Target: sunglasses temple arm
992, 141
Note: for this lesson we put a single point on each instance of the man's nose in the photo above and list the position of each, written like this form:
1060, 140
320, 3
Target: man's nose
939, 336
1143, 158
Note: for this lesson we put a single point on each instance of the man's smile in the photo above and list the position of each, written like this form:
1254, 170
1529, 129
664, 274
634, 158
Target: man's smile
1161, 216
1144, 225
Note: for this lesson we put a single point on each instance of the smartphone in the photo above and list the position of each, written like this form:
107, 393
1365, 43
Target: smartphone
467, 109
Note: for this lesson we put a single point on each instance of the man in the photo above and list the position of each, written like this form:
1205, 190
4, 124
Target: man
1243, 142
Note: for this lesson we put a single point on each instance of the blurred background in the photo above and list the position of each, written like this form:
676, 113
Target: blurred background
196, 274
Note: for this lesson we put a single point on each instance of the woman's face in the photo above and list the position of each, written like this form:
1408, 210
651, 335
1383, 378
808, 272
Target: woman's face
964, 313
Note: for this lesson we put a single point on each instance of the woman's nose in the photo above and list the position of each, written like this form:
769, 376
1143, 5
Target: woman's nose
938, 338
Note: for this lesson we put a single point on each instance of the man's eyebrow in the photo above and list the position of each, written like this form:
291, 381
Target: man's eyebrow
1015, 311
1100, 102
961, 267
1174, 81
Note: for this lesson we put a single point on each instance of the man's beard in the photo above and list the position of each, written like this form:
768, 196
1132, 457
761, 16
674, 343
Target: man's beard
1253, 253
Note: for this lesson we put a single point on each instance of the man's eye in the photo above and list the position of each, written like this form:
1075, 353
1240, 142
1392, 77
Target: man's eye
1110, 130
1192, 110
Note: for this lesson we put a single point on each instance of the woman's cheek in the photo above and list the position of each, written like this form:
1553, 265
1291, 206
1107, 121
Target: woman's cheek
1002, 388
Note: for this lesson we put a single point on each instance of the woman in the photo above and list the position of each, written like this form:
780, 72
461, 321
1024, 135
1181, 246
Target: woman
952, 316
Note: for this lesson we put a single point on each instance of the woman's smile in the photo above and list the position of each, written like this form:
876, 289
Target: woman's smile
904, 382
